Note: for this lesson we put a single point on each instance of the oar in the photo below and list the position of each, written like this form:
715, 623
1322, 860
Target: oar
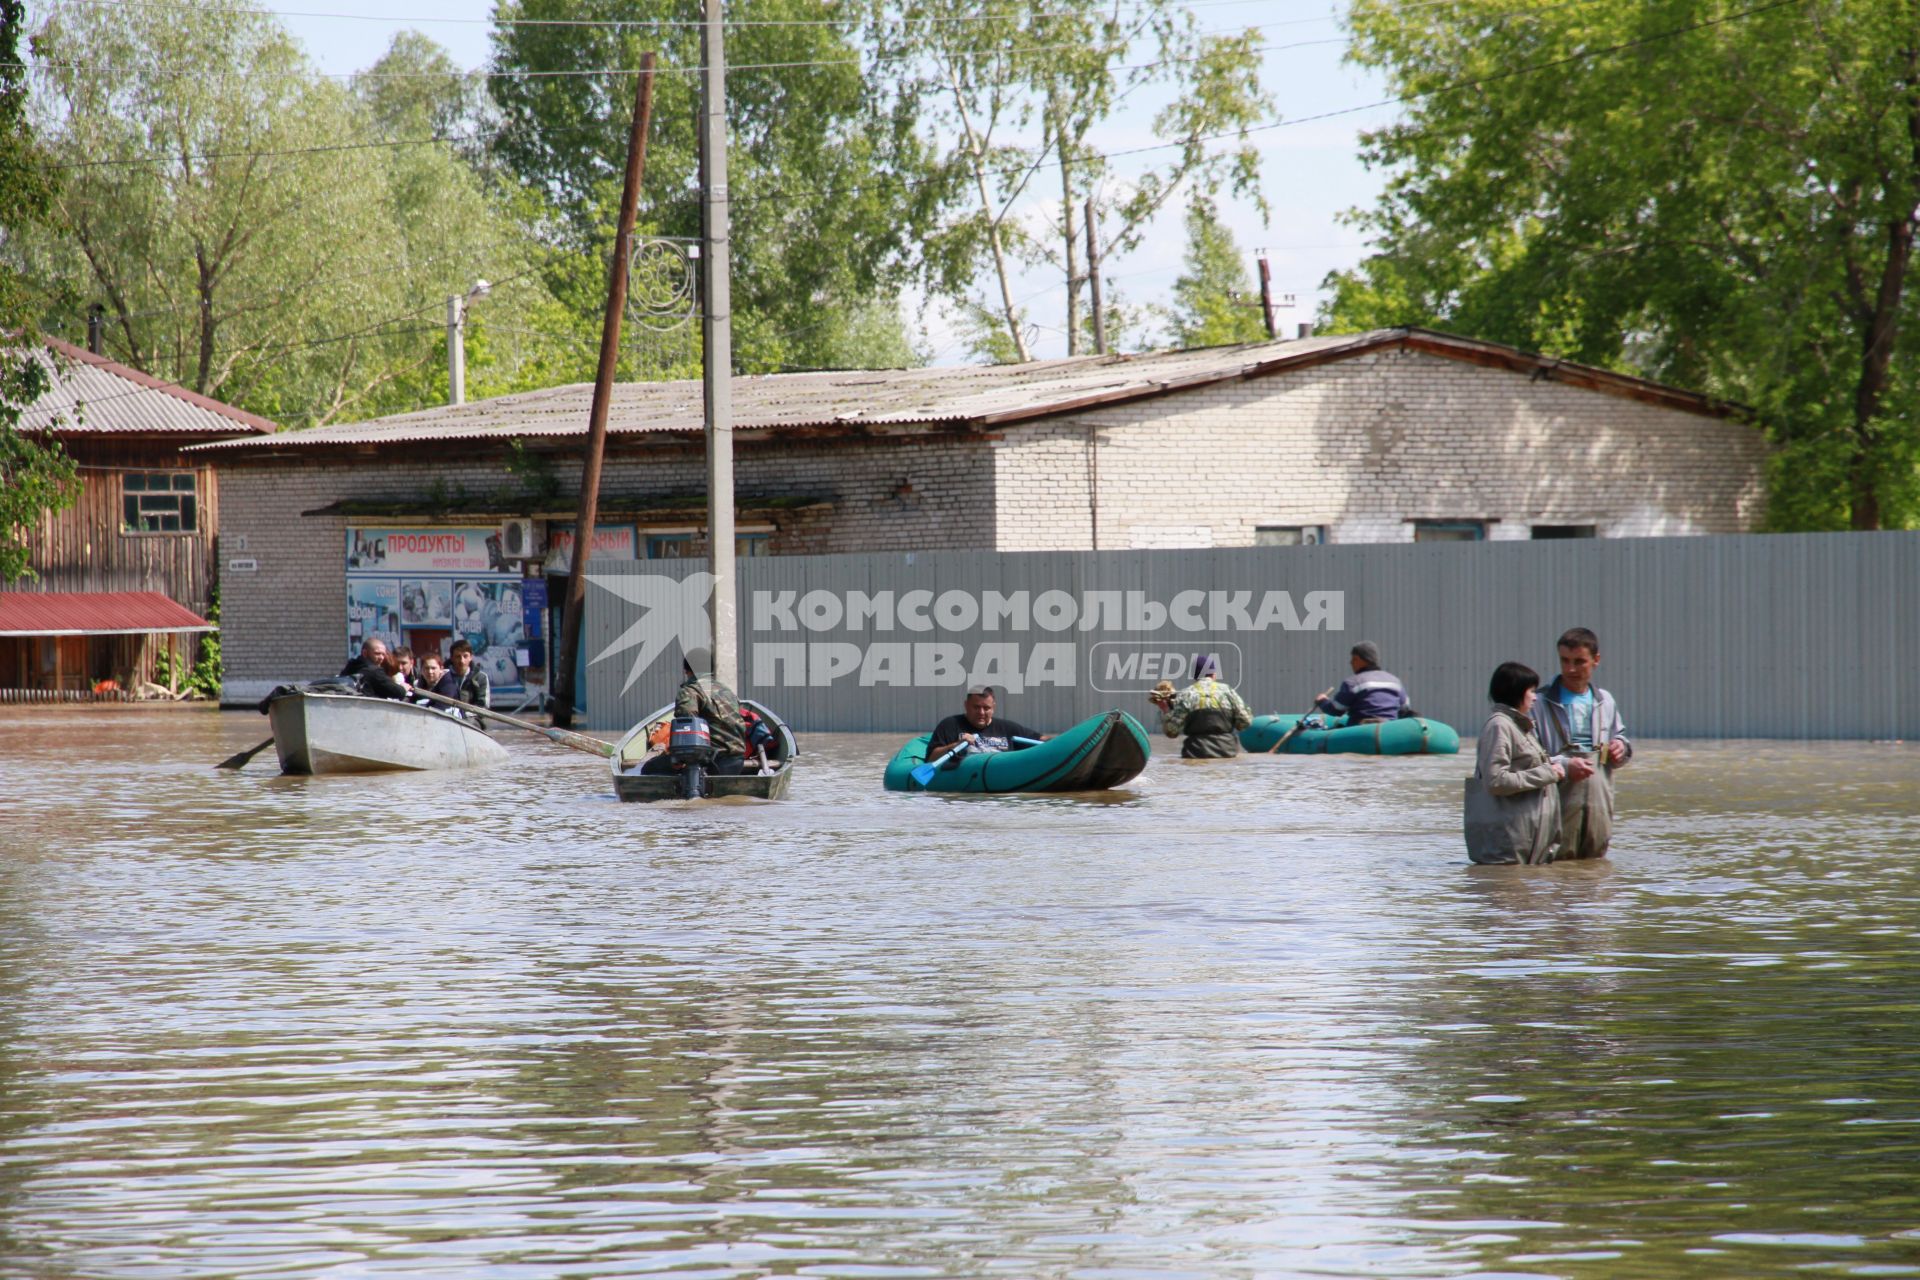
923, 774
565, 737
1027, 742
1298, 725
235, 762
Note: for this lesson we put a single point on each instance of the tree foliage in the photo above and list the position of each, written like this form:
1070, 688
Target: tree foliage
1020, 88
835, 194
1716, 194
256, 232
1213, 304
36, 475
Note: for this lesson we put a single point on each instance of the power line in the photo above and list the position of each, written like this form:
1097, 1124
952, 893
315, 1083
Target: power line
1008, 15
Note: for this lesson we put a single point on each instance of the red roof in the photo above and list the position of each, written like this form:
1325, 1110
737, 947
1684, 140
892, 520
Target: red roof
93, 613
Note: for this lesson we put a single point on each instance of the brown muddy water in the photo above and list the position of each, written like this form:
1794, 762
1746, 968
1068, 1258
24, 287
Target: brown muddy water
1247, 1019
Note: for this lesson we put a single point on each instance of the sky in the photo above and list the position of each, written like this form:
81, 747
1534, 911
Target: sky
1311, 172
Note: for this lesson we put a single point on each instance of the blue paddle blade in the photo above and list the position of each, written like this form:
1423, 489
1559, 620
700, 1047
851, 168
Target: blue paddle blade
923, 774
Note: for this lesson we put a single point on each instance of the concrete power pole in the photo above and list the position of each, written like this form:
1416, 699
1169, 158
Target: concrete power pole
717, 366
456, 349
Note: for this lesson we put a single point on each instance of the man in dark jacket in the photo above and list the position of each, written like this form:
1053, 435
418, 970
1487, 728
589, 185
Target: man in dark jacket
1368, 696
700, 694
473, 684
372, 657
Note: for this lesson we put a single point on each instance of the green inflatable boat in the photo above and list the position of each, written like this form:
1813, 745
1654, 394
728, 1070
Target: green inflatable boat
1413, 736
1095, 754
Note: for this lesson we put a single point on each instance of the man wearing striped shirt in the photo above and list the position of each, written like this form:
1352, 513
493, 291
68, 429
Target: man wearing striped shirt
1368, 696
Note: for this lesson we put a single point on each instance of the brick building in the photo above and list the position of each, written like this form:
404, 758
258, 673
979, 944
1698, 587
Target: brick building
128, 571
1389, 436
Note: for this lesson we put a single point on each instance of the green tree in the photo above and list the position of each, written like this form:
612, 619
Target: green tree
1721, 196
1213, 305
1018, 89
835, 196
256, 232
36, 475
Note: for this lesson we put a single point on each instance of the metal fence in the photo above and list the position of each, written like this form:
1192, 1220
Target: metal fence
1758, 636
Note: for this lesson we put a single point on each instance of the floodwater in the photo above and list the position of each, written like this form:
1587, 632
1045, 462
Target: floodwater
1256, 1018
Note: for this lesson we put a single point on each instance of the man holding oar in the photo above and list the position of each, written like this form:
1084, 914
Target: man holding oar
976, 728
1208, 714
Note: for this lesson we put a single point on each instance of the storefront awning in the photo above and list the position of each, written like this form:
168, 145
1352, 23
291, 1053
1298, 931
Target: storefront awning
94, 613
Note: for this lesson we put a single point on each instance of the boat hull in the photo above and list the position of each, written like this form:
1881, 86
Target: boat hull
331, 733
1413, 736
644, 788
1097, 754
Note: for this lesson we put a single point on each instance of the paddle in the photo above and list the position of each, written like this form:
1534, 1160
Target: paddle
235, 762
923, 774
1298, 725
1026, 742
566, 738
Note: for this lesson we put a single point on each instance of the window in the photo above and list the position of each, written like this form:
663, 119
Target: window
1449, 530
752, 545
1563, 531
1289, 535
159, 502
669, 546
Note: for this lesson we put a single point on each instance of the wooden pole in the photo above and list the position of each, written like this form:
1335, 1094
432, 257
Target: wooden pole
602, 394
717, 362
1266, 298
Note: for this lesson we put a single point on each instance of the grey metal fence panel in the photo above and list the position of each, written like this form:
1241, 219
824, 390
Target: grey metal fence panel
1781, 636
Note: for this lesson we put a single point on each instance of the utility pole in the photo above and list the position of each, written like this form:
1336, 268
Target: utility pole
456, 349
1093, 279
589, 513
457, 339
96, 328
716, 325
1266, 297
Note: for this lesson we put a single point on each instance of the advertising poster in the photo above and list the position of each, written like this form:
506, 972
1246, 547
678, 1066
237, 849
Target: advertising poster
426, 602
610, 542
373, 609
491, 617
423, 551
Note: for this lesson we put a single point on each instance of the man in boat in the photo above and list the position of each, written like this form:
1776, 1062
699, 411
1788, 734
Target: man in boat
978, 726
435, 678
386, 680
1579, 724
372, 657
1370, 695
700, 694
472, 682
1207, 714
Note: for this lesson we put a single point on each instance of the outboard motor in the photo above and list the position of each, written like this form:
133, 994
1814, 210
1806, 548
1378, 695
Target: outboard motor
690, 751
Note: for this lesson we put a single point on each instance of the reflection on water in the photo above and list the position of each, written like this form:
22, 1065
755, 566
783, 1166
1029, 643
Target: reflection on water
1255, 1018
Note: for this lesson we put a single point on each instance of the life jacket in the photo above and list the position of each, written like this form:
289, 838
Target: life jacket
757, 732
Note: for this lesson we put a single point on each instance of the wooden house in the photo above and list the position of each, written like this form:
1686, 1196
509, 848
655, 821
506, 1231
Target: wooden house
130, 569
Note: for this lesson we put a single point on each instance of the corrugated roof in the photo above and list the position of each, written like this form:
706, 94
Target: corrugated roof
94, 613
977, 396
93, 395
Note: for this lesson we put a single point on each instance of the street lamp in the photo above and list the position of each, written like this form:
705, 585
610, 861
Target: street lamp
457, 339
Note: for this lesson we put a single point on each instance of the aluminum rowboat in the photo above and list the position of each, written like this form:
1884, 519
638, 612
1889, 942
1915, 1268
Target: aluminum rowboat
325, 733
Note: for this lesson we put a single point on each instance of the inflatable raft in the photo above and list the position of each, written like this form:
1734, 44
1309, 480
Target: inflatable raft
1095, 754
1413, 736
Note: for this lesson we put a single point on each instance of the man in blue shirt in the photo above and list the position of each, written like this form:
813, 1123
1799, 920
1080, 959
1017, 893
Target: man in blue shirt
1579, 724
1369, 695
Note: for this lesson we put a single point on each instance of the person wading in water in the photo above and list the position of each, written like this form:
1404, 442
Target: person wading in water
1208, 713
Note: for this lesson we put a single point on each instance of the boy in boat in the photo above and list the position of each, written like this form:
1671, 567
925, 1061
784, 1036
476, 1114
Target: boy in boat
471, 681
1370, 695
1579, 724
1208, 714
976, 725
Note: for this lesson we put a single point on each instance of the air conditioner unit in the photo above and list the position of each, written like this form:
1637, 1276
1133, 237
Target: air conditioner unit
521, 539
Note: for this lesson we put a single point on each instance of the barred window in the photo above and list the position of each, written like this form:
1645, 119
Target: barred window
159, 502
